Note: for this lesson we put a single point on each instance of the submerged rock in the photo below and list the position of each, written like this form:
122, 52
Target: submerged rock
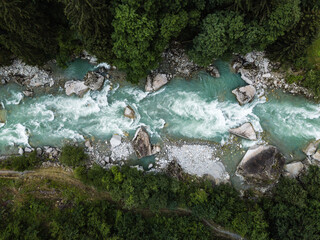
76, 87
293, 169
141, 143
115, 140
261, 164
94, 80
246, 131
156, 82
311, 148
129, 112
244, 94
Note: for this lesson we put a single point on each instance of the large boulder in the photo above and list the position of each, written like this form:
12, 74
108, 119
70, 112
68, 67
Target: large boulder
129, 112
94, 80
311, 148
115, 140
261, 164
141, 143
246, 131
316, 156
244, 94
293, 169
156, 82
76, 87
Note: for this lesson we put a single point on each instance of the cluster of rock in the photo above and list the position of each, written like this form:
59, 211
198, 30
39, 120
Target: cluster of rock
92, 81
175, 63
257, 70
192, 158
23, 74
313, 151
45, 152
3, 114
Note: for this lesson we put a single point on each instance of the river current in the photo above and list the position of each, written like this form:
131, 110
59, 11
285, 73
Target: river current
202, 108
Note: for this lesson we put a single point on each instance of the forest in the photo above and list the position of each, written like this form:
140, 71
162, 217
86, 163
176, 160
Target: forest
125, 203
132, 34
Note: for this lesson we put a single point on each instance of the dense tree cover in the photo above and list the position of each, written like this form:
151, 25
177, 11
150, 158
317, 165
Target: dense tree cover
40, 219
132, 34
290, 211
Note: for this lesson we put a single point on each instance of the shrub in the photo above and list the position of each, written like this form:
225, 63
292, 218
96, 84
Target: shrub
73, 156
21, 163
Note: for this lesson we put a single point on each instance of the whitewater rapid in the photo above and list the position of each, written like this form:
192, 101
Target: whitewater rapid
199, 109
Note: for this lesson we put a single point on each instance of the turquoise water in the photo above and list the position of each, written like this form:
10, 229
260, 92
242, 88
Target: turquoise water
202, 108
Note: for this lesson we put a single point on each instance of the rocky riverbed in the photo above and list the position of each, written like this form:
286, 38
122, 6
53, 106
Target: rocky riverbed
201, 158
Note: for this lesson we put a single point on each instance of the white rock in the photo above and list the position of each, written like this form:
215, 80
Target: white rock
150, 166
156, 149
156, 83
115, 140
316, 156
246, 131
311, 148
244, 94
198, 160
293, 169
267, 75
28, 93
87, 144
77, 87
20, 151
246, 76
28, 150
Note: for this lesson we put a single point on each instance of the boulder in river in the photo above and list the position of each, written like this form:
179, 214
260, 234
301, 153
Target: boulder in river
293, 169
311, 148
115, 140
28, 93
261, 164
76, 87
3, 114
94, 80
141, 143
246, 131
213, 71
156, 82
244, 94
129, 112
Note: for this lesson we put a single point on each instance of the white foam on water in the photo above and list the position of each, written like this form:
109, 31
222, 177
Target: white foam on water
103, 64
14, 98
198, 118
16, 134
137, 93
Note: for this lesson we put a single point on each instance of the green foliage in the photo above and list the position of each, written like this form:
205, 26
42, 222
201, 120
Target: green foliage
312, 81
293, 78
230, 31
21, 163
220, 32
73, 156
